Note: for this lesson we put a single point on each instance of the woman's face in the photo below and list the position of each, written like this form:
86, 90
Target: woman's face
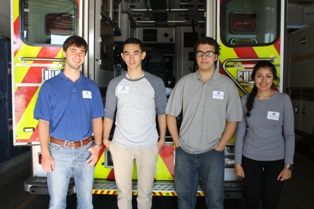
264, 79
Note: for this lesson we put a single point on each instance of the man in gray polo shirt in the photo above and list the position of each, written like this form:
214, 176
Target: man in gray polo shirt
210, 106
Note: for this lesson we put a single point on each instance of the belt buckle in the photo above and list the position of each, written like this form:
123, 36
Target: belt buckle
68, 144
81, 143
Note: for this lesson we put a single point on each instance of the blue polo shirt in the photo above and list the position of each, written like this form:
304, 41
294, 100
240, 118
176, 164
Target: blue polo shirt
69, 106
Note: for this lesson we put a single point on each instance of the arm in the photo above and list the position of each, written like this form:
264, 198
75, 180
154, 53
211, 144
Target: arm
110, 109
226, 136
47, 162
173, 109
235, 111
288, 130
162, 130
173, 129
160, 106
289, 137
97, 130
107, 129
241, 130
240, 135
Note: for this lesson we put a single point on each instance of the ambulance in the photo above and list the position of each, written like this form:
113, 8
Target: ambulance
247, 31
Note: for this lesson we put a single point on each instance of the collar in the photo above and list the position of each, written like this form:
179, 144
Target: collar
216, 75
62, 76
137, 79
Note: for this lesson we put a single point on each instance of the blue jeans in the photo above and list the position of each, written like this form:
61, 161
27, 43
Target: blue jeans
207, 167
70, 162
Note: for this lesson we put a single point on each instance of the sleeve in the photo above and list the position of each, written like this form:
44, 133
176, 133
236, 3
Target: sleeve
111, 101
98, 107
240, 135
288, 129
174, 105
160, 97
42, 107
234, 108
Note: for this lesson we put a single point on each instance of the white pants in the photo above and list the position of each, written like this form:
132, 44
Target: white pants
123, 159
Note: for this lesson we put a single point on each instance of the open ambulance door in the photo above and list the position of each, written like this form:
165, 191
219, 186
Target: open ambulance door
248, 31
39, 28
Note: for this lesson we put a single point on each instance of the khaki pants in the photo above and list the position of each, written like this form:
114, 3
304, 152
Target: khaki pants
123, 160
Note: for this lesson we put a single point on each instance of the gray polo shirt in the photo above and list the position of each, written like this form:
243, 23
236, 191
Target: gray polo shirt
268, 134
206, 106
134, 105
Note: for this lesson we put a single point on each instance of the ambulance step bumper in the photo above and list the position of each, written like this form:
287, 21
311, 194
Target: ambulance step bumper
38, 185
232, 189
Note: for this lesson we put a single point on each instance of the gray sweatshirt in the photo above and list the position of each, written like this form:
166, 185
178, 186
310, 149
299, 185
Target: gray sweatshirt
268, 134
133, 104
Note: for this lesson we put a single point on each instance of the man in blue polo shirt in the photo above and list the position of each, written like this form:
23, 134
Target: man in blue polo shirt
70, 109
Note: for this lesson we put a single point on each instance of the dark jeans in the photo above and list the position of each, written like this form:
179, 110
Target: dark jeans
209, 167
261, 182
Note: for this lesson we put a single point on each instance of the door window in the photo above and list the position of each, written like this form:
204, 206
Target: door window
48, 22
250, 22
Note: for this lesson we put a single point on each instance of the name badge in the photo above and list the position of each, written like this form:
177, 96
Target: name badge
273, 115
123, 89
87, 94
218, 95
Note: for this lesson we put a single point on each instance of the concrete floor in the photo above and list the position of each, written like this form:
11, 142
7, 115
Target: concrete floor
297, 193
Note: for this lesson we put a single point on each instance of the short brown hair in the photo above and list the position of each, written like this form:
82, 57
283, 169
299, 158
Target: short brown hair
76, 41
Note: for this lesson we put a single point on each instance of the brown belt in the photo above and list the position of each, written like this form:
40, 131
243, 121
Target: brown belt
71, 144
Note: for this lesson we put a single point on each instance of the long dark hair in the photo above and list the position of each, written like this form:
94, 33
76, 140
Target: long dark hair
251, 97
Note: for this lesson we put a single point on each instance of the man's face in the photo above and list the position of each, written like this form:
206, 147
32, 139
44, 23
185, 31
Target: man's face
74, 57
132, 55
206, 57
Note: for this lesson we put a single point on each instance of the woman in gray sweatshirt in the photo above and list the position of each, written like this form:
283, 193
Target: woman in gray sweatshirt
265, 139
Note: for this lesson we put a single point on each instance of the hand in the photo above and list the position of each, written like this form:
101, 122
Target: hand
177, 144
160, 143
220, 147
284, 175
94, 150
239, 170
107, 143
47, 162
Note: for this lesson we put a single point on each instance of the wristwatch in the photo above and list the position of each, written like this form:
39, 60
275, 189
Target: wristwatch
289, 166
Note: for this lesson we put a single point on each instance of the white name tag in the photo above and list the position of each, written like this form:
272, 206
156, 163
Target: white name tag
87, 94
273, 115
218, 95
123, 89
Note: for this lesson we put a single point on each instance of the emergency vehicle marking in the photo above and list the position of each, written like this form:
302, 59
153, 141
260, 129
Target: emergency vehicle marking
266, 51
164, 165
25, 100
27, 77
34, 73
241, 71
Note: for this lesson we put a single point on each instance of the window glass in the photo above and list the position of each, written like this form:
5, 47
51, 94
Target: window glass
250, 22
48, 22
